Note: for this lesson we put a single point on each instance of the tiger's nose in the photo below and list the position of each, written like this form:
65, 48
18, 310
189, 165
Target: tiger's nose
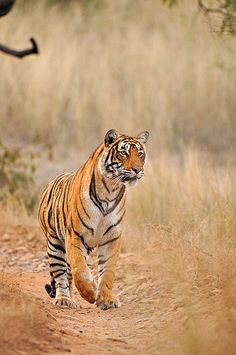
136, 170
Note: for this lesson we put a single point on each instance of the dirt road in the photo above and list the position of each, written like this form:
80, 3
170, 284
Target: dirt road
86, 330
176, 300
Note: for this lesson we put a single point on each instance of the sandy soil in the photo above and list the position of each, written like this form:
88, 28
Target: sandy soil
176, 300
127, 330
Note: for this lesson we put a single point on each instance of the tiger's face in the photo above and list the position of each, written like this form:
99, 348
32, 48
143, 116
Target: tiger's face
124, 157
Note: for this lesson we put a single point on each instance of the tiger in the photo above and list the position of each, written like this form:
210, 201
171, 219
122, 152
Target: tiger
81, 211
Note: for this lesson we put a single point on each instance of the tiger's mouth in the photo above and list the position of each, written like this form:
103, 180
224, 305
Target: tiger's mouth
129, 178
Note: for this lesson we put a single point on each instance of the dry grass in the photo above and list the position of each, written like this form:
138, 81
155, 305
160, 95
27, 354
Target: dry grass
127, 65
12, 214
24, 327
191, 194
188, 211
135, 67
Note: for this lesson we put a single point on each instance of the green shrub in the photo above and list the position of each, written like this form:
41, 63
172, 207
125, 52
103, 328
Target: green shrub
17, 175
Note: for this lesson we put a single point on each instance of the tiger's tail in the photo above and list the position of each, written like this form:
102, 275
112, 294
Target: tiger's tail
51, 289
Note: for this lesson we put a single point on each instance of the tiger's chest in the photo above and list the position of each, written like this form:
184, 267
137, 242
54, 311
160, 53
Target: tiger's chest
103, 227
99, 213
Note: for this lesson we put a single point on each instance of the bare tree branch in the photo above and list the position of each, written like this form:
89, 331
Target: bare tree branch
20, 54
6, 6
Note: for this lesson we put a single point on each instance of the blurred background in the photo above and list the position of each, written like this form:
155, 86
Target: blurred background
123, 64
133, 66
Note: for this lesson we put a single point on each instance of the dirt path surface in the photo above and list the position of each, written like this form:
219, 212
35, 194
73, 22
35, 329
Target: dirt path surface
87, 329
176, 300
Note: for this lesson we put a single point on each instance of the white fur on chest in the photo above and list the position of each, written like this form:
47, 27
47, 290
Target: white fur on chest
102, 217
100, 224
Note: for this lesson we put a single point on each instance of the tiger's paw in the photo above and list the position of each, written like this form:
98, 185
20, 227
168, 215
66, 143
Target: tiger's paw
87, 288
105, 304
64, 302
88, 291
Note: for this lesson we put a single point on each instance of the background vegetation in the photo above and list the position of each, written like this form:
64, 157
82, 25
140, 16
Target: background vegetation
133, 66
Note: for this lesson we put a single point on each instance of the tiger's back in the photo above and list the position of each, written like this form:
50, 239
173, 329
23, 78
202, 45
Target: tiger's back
53, 207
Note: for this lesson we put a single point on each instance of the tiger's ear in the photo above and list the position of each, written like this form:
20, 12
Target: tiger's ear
143, 136
110, 137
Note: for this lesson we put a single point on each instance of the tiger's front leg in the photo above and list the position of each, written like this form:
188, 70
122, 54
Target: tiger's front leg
108, 254
81, 273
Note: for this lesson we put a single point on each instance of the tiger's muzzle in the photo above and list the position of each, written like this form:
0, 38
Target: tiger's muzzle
132, 176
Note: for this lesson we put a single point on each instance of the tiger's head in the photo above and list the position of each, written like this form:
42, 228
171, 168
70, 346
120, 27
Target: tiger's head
124, 157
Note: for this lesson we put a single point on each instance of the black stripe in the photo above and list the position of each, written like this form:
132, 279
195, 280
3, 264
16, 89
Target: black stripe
82, 204
93, 195
76, 246
57, 210
58, 180
43, 196
65, 199
80, 195
96, 201
112, 153
56, 257
108, 156
57, 264
111, 158
101, 262
109, 241
76, 233
50, 194
63, 271
56, 246
85, 224
80, 237
50, 248
54, 186
115, 224
121, 207
53, 236
49, 218
63, 208
115, 189
60, 274
105, 185
63, 287
118, 199
103, 201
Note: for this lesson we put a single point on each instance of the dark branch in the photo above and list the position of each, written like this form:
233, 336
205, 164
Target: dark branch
20, 54
6, 6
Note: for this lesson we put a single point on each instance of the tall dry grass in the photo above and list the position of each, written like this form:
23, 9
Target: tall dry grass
126, 65
133, 66
183, 223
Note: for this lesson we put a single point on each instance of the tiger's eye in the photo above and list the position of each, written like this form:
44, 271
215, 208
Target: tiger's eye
123, 153
140, 154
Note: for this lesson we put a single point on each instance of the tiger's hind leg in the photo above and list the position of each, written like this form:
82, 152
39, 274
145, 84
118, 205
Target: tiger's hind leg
61, 279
